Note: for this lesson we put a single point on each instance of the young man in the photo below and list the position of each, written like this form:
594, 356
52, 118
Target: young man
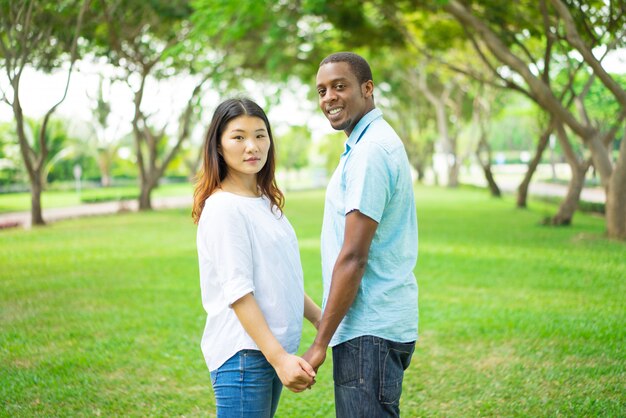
369, 249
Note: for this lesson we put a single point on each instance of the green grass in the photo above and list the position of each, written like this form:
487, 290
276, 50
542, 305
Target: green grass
102, 316
16, 202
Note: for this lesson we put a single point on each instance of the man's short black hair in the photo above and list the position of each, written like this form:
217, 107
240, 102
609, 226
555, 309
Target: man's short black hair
360, 68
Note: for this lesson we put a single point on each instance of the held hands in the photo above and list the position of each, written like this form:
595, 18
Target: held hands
315, 356
294, 372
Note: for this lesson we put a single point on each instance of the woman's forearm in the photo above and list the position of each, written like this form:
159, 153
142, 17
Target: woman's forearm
294, 372
312, 312
253, 321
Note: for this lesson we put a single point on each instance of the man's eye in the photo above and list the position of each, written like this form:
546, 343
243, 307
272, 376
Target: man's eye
321, 92
340, 86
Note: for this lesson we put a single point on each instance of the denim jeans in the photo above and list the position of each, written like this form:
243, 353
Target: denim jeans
246, 386
368, 374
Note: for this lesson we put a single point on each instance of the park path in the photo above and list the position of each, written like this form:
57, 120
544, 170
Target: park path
22, 219
588, 194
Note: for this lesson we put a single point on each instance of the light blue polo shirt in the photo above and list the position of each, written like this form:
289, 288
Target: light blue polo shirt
373, 177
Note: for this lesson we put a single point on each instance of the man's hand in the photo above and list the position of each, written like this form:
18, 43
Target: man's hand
315, 355
294, 372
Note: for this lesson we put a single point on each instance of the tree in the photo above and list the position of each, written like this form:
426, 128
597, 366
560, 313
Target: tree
609, 23
104, 145
520, 44
150, 43
41, 35
481, 114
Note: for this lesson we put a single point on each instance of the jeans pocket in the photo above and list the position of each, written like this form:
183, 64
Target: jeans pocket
213, 377
346, 363
396, 361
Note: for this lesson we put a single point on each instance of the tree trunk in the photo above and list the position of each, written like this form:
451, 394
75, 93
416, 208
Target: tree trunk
576, 183
145, 200
453, 174
36, 216
570, 203
105, 169
419, 169
616, 197
522, 189
601, 157
491, 181
32, 162
483, 145
446, 144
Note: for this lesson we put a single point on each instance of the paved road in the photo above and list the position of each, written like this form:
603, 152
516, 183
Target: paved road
22, 219
590, 194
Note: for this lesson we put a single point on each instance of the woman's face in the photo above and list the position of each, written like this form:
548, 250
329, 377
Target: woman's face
244, 145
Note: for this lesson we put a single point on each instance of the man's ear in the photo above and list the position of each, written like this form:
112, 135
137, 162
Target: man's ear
368, 89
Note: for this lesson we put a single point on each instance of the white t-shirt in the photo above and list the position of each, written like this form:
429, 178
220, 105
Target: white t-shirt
244, 247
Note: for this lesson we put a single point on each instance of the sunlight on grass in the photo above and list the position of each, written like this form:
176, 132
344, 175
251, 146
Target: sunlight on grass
102, 316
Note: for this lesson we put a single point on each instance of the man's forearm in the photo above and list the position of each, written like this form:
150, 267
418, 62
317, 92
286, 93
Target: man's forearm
345, 283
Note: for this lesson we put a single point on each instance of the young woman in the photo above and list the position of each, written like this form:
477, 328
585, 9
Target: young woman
250, 272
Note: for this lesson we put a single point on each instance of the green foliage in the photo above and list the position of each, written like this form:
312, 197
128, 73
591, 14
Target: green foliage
602, 106
136, 31
10, 159
293, 148
108, 194
515, 319
63, 152
278, 40
44, 39
517, 126
330, 148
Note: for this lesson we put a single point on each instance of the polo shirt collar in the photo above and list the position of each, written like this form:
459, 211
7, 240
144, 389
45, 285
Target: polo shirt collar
361, 126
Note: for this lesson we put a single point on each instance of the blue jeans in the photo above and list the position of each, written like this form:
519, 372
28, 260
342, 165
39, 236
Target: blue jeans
368, 374
246, 386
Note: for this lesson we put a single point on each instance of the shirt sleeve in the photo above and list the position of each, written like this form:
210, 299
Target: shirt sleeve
368, 180
230, 250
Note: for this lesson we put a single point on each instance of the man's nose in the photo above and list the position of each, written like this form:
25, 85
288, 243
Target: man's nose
329, 97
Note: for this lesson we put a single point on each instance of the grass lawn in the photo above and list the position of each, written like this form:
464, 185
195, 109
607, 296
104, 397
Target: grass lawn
17, 202
102, 317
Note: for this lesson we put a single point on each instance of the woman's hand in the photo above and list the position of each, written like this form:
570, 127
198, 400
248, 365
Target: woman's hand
294, 372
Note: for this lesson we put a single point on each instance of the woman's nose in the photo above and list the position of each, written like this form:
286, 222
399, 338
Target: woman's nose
251, 145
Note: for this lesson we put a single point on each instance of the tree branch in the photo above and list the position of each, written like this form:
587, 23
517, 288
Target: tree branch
43, 146
576, 41
540, 90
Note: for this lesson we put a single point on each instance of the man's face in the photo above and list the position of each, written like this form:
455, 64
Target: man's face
342, 98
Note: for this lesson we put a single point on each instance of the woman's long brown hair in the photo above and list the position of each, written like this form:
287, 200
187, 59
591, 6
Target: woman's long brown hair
214, 169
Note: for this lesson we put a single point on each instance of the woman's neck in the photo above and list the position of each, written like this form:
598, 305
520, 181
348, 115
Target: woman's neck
242, 186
